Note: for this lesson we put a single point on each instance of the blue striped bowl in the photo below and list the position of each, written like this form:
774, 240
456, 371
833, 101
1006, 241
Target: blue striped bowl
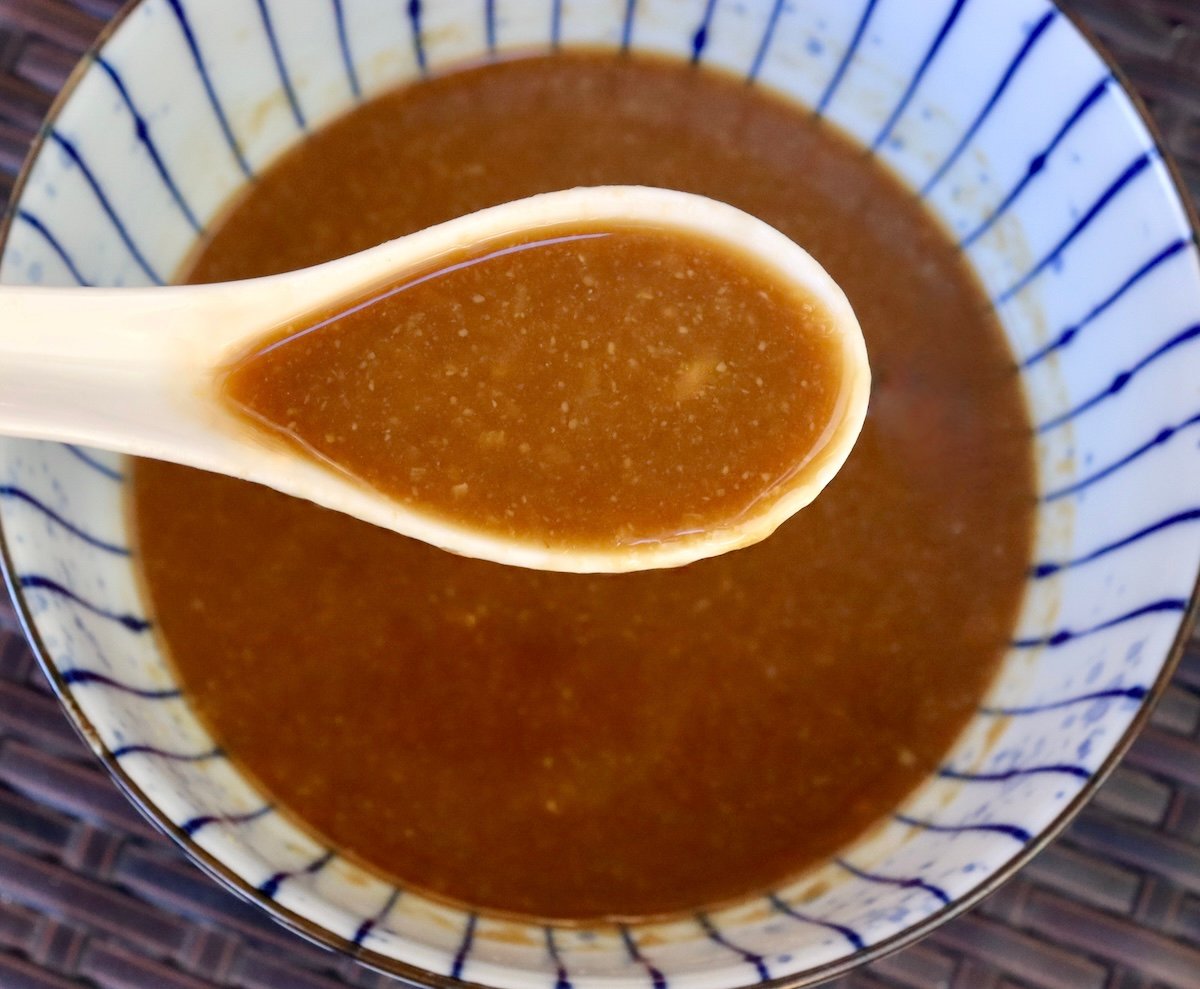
1014, 132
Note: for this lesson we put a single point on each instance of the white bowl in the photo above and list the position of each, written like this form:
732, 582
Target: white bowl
1016, 134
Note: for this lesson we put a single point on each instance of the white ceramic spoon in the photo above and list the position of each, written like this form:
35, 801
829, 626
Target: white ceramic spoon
134, 370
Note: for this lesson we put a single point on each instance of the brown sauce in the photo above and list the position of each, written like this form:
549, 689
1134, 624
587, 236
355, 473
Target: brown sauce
586, 387
594, 746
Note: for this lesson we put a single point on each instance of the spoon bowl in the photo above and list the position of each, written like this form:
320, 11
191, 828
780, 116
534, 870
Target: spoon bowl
137, 370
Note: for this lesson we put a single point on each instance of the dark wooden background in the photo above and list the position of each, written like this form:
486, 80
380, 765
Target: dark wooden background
90, 895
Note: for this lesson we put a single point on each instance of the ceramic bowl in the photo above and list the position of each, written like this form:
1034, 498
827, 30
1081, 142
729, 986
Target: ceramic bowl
1001, 117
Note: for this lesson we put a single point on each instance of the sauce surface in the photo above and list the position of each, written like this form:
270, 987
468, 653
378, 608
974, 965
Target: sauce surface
571, 746
587, 388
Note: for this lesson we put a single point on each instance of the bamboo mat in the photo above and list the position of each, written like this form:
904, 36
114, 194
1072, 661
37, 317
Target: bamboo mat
90, 895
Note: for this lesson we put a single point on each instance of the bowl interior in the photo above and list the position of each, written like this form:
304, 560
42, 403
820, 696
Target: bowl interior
1017, 136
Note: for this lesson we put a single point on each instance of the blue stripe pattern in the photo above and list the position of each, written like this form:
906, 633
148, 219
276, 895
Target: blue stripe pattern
1136, 693
339, 16
1038, 163
370, 923
206, 80
285, 78
851, 935
700, 38
657, 979
77, 675
1122, 379
556, 24
142, 130
11, 491
194, 824
464, 946
903, 883
764, 45
84, 457
1005, 775
414, 19
714, 935
1010, 73
627, 26
55, 245
489, 19
1048, 569
1065, 635
121, 751
36, 582
1139, 165
911, 89
1009, 830
68, 148
848, 56
561, 980
1067, 335
1163, 436
271, 886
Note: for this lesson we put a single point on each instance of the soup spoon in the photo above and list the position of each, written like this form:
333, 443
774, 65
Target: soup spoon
137, 370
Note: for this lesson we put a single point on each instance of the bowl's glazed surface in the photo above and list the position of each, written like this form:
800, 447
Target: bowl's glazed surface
1014, 132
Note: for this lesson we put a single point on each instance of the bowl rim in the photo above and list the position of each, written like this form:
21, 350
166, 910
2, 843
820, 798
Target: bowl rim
317, 934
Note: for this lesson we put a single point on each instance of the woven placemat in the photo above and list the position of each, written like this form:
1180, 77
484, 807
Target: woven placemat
91, 895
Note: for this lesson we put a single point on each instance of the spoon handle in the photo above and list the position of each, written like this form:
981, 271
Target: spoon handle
93, 366
132, 369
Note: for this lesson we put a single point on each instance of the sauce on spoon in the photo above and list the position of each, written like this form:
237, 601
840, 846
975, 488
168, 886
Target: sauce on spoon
588, 385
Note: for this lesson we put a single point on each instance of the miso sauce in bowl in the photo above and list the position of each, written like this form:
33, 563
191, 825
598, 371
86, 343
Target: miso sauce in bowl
657, 737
